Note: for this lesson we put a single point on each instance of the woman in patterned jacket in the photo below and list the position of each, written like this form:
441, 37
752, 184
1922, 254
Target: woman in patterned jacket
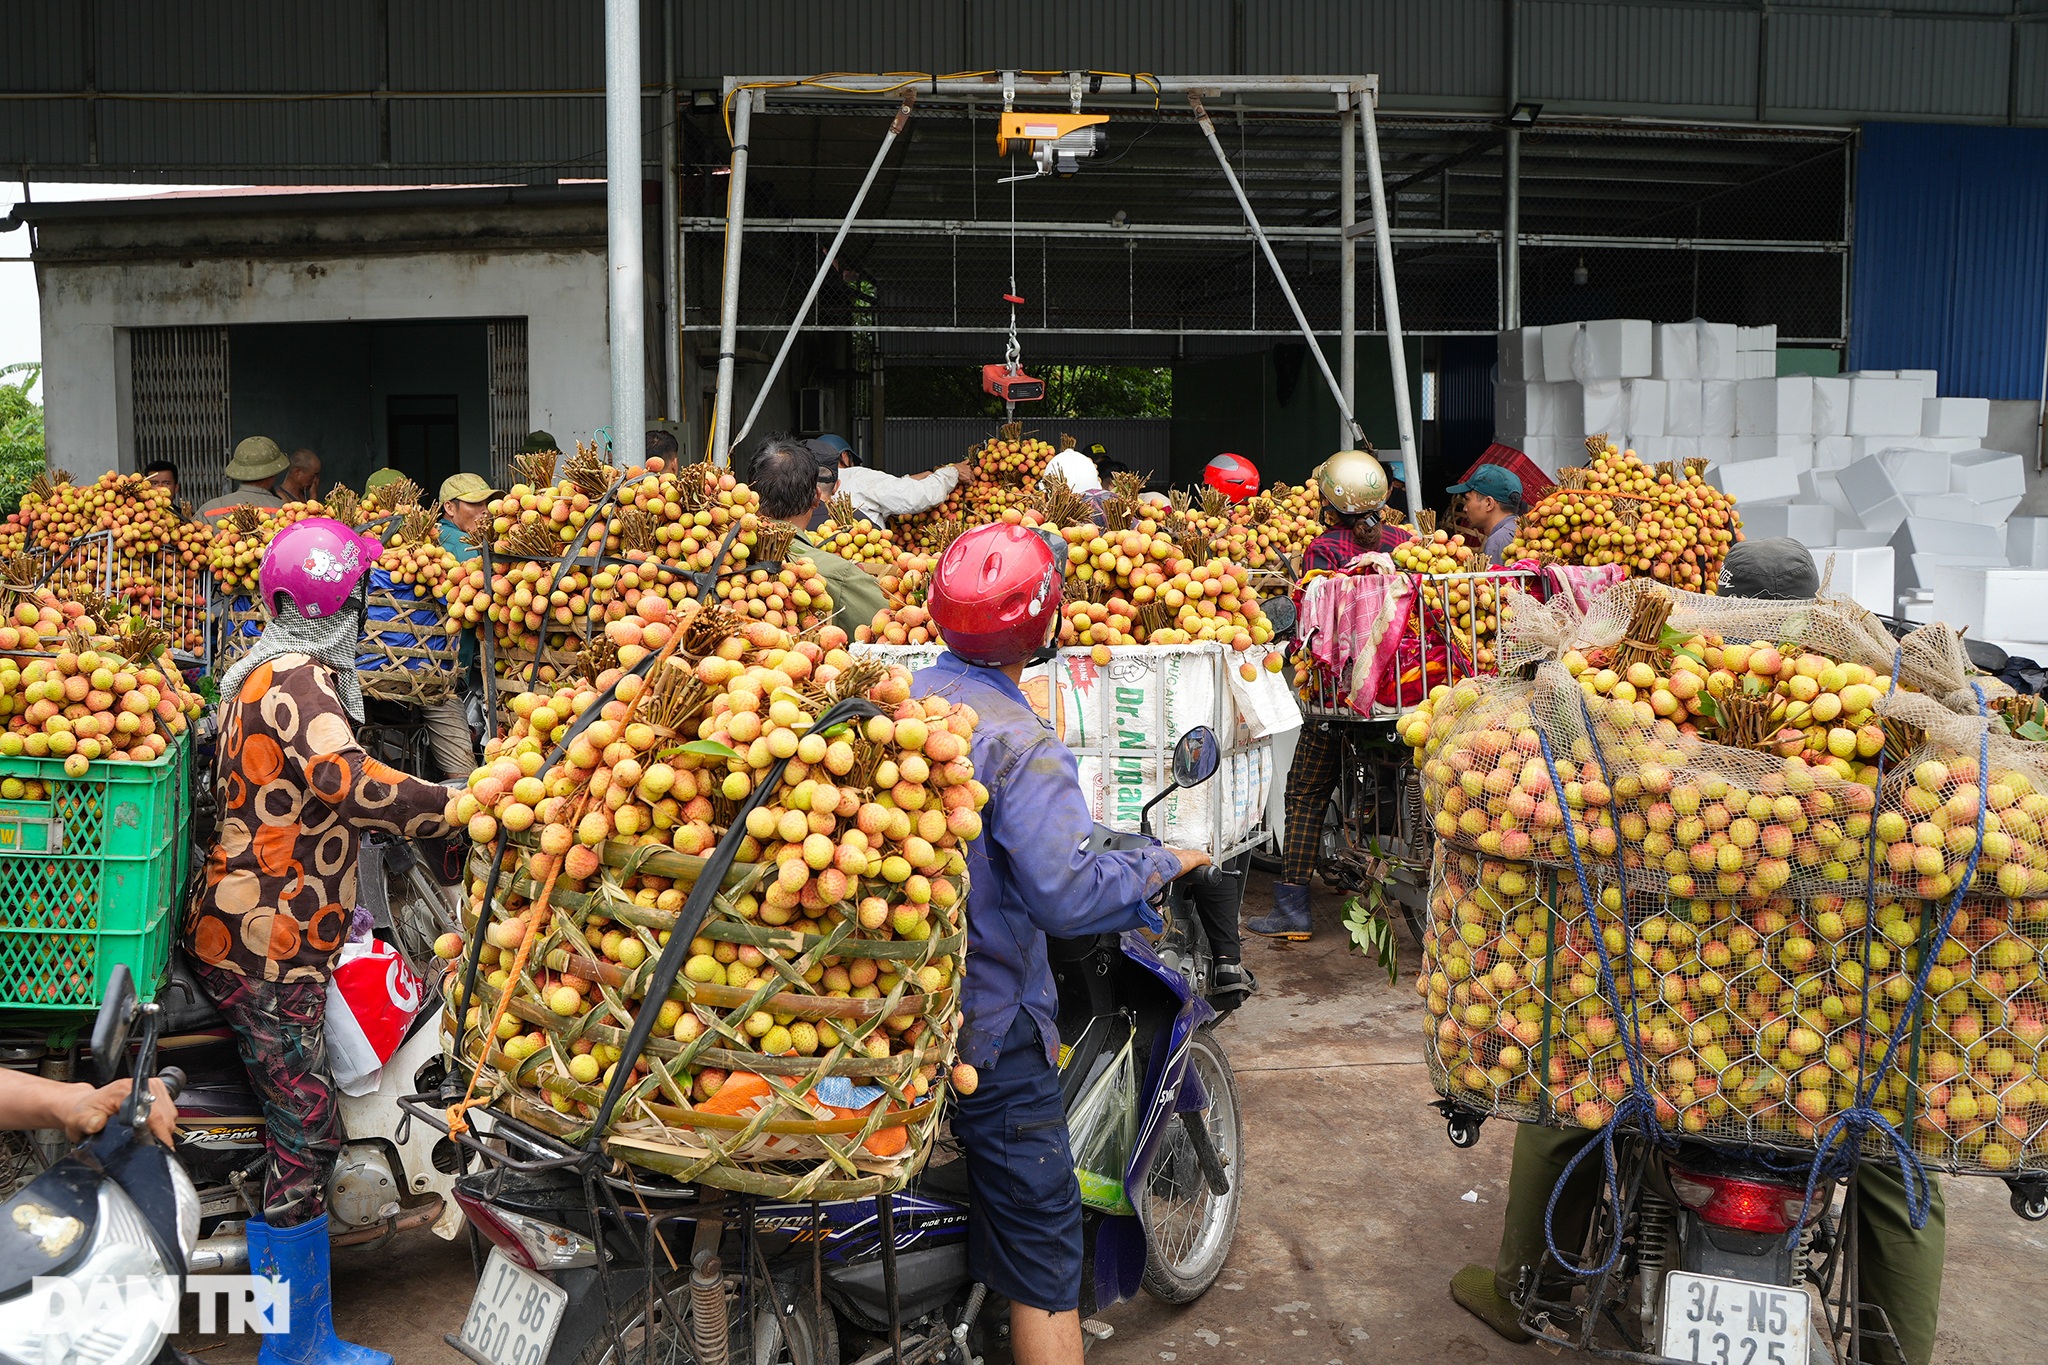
296, 791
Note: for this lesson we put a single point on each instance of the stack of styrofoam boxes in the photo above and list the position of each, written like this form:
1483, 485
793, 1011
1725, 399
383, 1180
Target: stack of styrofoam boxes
1557, 385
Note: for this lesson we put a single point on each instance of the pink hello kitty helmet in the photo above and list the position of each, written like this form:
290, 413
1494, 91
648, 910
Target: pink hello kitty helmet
317, 563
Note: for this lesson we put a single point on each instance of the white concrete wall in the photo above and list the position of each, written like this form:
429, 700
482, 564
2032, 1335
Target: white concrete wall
87, 309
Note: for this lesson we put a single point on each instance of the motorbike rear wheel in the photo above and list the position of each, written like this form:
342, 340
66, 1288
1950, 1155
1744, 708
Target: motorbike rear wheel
1188, 1227
800, 1336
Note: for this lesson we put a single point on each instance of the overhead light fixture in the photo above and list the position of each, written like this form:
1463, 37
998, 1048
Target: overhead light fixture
1579, 273
1119, 219
1523, 115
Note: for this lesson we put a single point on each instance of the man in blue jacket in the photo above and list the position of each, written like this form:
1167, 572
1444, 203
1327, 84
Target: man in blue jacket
996, 596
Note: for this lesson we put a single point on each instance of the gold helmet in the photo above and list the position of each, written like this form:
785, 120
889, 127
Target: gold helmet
1353, 482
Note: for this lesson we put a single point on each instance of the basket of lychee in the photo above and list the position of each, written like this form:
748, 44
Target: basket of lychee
801, 1050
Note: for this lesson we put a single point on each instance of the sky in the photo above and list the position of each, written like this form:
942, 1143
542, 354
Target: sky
20, 326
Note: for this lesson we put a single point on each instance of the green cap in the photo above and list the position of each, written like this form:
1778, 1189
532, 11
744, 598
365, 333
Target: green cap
465, 488
257, 457
1491, 481
541, 440
383, 476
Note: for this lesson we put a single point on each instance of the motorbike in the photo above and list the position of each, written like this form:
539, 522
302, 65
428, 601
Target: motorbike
1700, 1253
390, 1176
580, 1263
94, 1251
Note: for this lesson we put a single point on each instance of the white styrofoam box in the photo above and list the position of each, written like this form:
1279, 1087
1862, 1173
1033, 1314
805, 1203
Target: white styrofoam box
1567, 415
1862, 573
1955, 417
1872, 496
1994, 603
1512, 406
1753, 483
1716, 449
1683, 447
1808, 523
1916, 571
1681, 407
1848, 538
2026, 542
1644, 400
1928, 535
1830, 405
1984, 475
1956, 508
1695, 350
1914, 470
1764, 338
1717, 407
1759, 364
1619, 348
1884, 407
1919, 609
1601, 407
1834, 452
1559, 340
1821, 486
1873, 374
1765, 407
1521, 354
1928, 381
1542, 452
1997, 511
1794, 446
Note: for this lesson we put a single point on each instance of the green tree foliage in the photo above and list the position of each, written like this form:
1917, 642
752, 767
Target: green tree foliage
1070, 391
21, 435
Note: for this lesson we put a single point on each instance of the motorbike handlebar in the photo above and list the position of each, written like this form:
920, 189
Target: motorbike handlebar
1208, 874
173, 1079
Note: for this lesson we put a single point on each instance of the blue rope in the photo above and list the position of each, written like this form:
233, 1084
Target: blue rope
1635, 1107
1840, 1151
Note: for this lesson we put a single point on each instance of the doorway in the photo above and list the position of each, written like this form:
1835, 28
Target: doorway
423, 434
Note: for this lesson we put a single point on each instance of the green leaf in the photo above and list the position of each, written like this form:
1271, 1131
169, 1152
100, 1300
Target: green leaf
711, 748
1372, 934
1671, 637
2033, 730
1708, 708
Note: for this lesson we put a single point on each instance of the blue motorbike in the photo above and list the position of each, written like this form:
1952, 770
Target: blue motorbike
565, 1277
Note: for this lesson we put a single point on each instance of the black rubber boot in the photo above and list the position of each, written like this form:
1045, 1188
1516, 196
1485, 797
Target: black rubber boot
1290, 917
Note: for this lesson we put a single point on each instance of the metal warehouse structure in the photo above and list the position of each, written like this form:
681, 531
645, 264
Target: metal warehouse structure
1695, 157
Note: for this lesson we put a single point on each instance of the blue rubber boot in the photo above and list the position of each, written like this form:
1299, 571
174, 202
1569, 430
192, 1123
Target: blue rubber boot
1290, 917
298, 1256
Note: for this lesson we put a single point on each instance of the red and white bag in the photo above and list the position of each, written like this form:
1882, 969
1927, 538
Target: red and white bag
371, 998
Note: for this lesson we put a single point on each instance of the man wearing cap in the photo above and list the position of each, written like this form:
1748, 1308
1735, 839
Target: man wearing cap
784, 473
880, 496
254, 470
465, 505
1491, 504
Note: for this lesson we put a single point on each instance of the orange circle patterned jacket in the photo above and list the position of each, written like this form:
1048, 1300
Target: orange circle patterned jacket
295, 793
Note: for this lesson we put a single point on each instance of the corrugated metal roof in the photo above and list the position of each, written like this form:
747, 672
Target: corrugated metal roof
1130, 35
238, 133
1700, 56
1451, 48
1923, 67
780, 36
486, 45
2031, 98
238, 46
1974, 200
45, 46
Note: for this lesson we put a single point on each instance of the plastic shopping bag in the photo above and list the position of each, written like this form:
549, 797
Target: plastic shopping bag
1102, 1130
371, 997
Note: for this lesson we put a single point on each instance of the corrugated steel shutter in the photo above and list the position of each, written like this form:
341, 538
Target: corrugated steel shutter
1951, 263
507, 361
913, 444
181, 396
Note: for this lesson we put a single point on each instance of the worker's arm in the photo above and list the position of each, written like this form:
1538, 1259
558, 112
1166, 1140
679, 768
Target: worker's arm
1044, 831
79, 1109
898, 497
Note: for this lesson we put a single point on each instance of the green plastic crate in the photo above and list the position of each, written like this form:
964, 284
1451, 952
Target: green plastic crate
91, 875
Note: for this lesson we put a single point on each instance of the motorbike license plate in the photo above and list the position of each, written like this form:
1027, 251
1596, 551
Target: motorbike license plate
512, 1319
1714, 1321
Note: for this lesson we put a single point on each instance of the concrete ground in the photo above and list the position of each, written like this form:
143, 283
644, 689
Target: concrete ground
1357, 1209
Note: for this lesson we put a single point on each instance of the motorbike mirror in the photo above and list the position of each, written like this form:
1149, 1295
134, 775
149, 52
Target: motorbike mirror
1196, 757
116, 1018
1281, 615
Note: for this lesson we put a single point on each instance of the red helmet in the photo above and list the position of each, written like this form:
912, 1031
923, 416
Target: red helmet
1233, 476
996, 594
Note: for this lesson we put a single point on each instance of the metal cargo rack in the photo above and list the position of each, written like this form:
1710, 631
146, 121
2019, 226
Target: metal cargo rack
1322, 696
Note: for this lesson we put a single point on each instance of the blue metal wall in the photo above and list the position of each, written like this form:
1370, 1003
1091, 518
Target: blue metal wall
1951, 255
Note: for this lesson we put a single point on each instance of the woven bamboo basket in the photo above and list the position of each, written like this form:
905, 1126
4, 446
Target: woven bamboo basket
403, 658
789, 1142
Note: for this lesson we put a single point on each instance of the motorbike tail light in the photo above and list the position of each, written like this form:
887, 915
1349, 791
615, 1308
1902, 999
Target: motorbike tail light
538, 1246
1741, 1205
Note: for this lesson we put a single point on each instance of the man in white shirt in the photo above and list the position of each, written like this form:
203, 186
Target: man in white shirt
880, 496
